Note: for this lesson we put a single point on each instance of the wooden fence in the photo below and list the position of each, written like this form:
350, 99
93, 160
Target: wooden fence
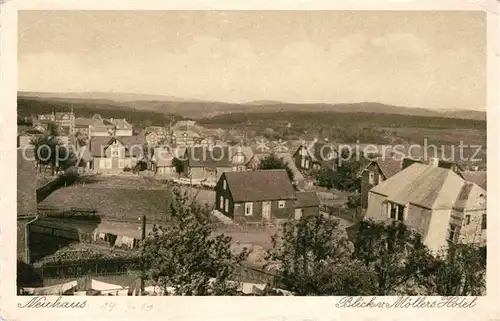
107, 267
348, 214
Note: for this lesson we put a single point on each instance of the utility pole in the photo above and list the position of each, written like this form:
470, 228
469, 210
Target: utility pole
143, 267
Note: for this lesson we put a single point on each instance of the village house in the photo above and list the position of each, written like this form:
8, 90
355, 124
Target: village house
314, 155
183, 125
185, 138
62, 119
111, 155
208, 163
263, 196
83, 125
307, 204
163, 160
434, 201
120, 127
156, 135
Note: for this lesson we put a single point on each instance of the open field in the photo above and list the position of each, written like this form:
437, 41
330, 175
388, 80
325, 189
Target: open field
113, 203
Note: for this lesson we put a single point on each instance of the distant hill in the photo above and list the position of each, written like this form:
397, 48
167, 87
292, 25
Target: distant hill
264, 102
111, 96
202, 109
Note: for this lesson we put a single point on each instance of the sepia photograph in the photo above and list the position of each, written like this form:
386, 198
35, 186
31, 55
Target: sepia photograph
252, 153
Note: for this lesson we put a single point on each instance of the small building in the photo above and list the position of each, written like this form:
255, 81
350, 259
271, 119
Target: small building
376, 172
434, 201
156, 135
184, 125
307, 204
111, 155
163, 160
121, 127
315, 155
202, 163
185, 138
262, 196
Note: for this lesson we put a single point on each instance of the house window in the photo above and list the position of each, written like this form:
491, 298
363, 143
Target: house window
483, 222
371, 178
452, 233
224, 184
302, 162
396, 211
307, 163
281, 204
467, 219
221, 203
115, 153
248, 209
226, 208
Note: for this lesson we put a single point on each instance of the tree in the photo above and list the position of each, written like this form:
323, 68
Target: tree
82, 139
325, 177
459, 270
274, 162
178, 165
49, 150
313, 258
395, 254
185, 256
346, 177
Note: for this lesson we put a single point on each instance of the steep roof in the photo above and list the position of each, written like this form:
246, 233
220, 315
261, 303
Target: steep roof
26, 183
82, 122
133, 144
261, 185
478, 177
120, 123
389, 166
307, 199
201, 156
423, 185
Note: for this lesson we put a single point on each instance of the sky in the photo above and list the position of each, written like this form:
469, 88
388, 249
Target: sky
416, 59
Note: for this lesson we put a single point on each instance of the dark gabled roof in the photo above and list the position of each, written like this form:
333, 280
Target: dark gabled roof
202, 156
307, 199
478, 177
389, 166
261, 185
449, 165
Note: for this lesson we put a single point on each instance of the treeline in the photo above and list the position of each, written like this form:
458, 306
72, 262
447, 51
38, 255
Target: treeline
315, 119
28, 107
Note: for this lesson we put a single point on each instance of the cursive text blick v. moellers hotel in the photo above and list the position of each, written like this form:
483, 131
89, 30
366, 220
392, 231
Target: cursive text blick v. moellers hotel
407, 302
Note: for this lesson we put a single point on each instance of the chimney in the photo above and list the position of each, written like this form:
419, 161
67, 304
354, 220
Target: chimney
433, 161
